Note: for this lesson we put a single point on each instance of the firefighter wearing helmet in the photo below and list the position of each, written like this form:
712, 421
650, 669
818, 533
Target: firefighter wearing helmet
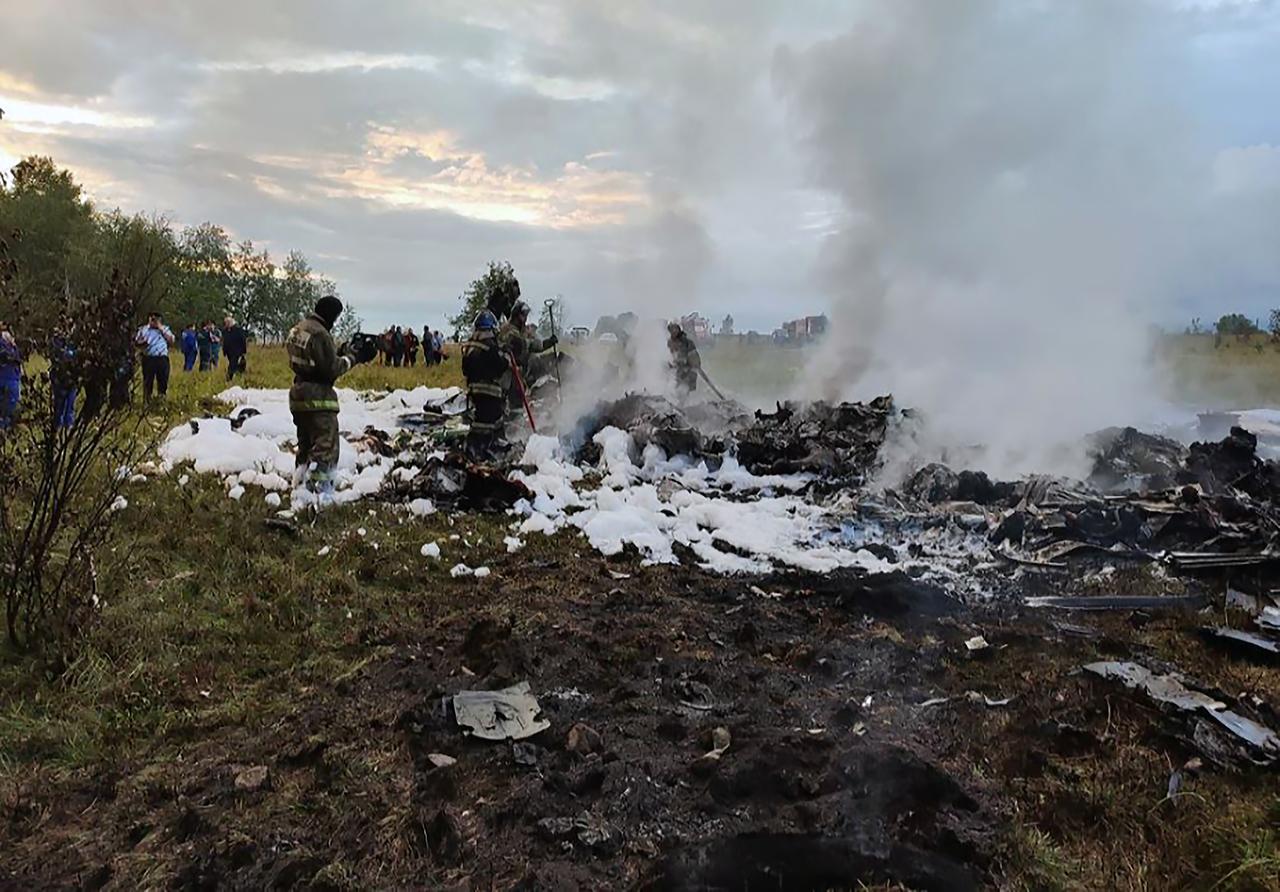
486, 366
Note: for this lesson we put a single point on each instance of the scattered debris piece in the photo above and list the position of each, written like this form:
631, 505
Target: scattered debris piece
1120, 602
525, 754
1261, 744
440, 760
509, 714
1075, 631
842, 440
252, 780
694, 695
976, 697
458, 483
707, 762
583, 740
284, 524
1245, 644
1239, 600
586, 829
430, 550
976, 645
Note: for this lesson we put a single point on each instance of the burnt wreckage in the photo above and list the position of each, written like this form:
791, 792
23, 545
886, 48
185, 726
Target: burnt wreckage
1204, 518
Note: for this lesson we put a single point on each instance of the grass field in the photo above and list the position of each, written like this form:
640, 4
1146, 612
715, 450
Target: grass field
218, 628
1237, 373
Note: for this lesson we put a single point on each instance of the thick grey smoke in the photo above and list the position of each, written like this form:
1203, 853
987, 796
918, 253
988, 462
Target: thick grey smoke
1023, 185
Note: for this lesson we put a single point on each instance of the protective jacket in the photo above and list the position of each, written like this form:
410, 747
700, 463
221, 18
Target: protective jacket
521, 347
316, 365
684, 355
486, 367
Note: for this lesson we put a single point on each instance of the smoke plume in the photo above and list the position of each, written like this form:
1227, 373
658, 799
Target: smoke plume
1022, 187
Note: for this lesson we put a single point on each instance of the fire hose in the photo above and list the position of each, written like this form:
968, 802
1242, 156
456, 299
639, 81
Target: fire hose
524, 397
709, 384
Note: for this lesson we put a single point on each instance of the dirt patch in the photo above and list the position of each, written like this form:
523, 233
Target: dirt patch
860, 746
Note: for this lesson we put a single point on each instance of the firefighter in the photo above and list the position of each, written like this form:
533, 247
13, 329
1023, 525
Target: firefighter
525, 347
317, 363
486, 366
685, 361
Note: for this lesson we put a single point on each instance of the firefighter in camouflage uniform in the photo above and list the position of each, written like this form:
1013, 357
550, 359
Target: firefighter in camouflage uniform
525, 348
317, 363
685, 361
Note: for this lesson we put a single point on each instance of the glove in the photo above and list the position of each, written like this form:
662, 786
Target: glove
550, 342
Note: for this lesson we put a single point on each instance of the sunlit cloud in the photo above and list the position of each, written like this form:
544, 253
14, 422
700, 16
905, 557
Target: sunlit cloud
319, 63
430, 170
22, 113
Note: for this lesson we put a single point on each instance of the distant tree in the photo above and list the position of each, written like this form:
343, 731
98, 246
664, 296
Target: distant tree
1236, 324
296, 292
144, 253
551, 319
63, 250
348, 323
54, 229
252, 290
206, 274
1273, 325
498, 281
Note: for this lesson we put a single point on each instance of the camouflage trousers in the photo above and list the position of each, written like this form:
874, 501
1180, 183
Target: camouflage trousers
317, 445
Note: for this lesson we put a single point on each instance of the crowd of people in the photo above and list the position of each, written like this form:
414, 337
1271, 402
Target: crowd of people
204, 347
399, 346
204, 343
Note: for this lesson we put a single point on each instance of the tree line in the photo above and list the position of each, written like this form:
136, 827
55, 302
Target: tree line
65, 247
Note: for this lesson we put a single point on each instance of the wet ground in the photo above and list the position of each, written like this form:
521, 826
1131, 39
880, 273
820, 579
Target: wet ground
867, 743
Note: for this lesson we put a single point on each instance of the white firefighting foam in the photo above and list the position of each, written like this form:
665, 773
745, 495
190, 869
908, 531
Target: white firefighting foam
730, 520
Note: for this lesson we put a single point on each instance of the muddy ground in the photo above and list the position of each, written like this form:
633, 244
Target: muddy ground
845, 767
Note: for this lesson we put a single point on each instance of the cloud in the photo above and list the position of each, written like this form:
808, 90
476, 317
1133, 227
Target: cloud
622, 154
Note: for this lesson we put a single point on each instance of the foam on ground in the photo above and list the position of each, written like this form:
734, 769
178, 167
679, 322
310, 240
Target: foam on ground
729, 520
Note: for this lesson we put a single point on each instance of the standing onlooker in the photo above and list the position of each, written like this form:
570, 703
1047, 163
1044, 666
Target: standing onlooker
190, 347
10, 377
437, 345
410, 347
235, 345
397, 346
215, 344
384, 348
155, 339
62, 376
204, 346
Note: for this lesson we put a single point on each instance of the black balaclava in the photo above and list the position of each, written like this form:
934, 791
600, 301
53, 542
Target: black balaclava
328, 308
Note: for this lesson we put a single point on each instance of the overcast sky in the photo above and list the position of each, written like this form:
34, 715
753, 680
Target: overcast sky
623, 154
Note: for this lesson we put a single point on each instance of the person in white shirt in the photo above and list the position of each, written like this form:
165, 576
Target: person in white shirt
154, 339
